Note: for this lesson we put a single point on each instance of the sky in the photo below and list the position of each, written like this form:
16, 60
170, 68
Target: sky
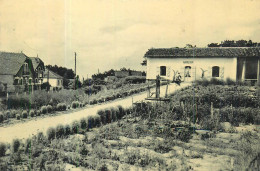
111, 34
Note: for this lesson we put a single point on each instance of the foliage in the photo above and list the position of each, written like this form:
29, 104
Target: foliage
24, 114
16, 145
2, 149
44, 109
60, 131
51, 133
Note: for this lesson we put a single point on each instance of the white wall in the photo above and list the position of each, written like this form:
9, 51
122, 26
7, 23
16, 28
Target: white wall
228, 67
53, 82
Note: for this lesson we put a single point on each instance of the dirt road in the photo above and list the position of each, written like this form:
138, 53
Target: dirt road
27, 129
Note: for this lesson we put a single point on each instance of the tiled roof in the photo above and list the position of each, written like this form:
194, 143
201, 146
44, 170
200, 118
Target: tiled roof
10, 63
35, 62
51, 74
204, 52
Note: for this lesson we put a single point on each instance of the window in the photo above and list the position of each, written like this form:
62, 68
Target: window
187, 71
215, 71
163, 70
25, 68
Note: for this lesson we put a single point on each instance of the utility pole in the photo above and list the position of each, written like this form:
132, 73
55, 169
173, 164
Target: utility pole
75, 70
48, 85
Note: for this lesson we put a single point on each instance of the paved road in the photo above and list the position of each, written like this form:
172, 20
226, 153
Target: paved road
27, 129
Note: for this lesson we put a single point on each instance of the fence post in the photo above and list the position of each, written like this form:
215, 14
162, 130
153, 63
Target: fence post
211, 110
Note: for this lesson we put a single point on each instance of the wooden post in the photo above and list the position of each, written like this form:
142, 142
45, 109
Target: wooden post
244, 71
211, 110
75, 71
258, 72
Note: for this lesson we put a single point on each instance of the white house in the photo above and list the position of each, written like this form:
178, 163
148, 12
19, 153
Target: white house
55, 80
236, 63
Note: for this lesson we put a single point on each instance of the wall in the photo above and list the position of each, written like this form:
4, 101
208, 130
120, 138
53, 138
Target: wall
8, 80
53, 82
227, 67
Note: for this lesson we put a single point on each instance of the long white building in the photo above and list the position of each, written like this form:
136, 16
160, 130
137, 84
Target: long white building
236, 63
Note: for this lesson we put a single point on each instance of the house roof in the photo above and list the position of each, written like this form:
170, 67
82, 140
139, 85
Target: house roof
10, 63
203, 52
35, 62
51, 74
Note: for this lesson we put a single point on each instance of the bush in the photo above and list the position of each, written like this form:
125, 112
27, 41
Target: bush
1, 117
97, 121
121, 112
61, 107
44, 109
67, 130
28, 145
108, 115
75, 127
2, 149
91, 122
49, 108
18, 116
7, 114
24, 114
16, 145
83, 123
51, 133
38, 112
102, 115
13, 113
75, 104
32, 113
114, 114
60, 131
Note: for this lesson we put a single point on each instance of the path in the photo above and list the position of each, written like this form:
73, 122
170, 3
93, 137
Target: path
26, 129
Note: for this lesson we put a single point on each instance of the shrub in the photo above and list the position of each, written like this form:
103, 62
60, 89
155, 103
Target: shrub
44, 109
83, 123
13, 113
102, 115
114, 114
97, 121
108, 115
49, 108
51, 133
7, 114
75, 127
61, 107
68, 107
18, 116
1, 117
24, 114
75, 104
80, 105
28, 145
16, 145
67, 130
121, 112
32, 113
2, 149
38, 112
60, 131
91, 122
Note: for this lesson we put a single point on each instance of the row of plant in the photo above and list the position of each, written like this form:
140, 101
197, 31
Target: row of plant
44, 110
29, 108
228, 81
56, 148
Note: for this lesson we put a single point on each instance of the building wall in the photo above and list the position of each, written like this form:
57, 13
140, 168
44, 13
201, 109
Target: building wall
54, 82
8, 80
227, 66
